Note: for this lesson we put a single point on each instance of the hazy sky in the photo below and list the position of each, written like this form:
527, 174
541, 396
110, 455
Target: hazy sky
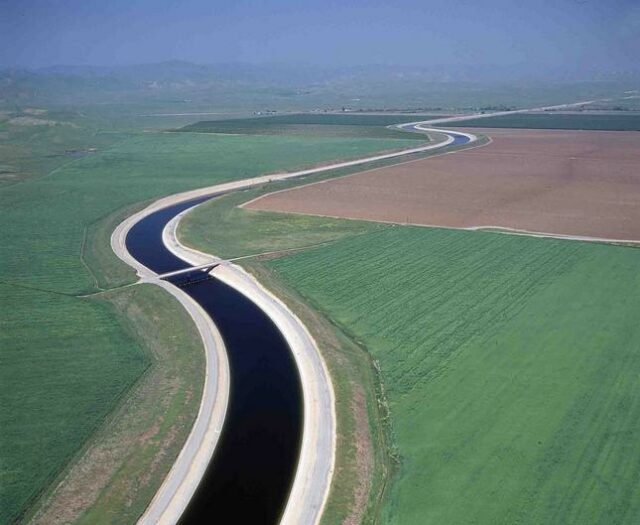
327, 32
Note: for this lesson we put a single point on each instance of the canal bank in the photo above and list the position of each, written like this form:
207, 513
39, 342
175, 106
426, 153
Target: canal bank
312, 478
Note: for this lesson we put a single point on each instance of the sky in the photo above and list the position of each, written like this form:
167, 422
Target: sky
544, 33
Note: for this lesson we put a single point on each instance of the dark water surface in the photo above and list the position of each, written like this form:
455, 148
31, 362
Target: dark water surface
458, 140
250, 475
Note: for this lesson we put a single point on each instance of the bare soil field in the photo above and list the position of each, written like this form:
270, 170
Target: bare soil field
577, 183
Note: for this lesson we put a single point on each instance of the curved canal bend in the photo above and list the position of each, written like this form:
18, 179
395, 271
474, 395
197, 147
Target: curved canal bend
254, 463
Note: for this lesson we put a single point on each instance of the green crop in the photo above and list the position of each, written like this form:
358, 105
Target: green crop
510, 365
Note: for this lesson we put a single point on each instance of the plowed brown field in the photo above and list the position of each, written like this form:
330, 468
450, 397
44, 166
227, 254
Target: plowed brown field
579, 183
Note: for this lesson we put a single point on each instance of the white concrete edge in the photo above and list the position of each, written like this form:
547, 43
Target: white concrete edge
502, 230
185, 475
183, 479
426, 127
316, 464
547, 235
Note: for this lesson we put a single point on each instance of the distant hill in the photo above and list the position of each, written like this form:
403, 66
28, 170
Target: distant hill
249, 86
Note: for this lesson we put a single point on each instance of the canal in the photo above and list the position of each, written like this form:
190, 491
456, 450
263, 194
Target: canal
254, 464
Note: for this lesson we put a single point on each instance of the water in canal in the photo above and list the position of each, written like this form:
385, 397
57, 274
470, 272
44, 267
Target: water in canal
250, 475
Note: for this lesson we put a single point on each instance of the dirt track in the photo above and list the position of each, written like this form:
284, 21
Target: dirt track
581, 183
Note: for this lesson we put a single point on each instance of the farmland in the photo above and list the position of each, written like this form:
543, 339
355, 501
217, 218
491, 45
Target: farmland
145, 167
430, 306
558, 182
324, 119
65, 364
509, 364
120, 471
603, 122
34, 145
82, 373
72, 359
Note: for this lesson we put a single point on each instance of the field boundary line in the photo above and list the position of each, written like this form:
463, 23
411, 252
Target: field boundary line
505, 230
84, 263
502, 230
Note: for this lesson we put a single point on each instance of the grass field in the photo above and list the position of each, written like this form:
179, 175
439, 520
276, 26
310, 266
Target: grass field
132, 451
606, 122
67, 360
314, 124
65, 363
239, 232
630, 101
510, 365
31, 150
325, 119
49, 216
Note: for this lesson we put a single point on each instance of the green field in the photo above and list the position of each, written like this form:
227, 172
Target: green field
239, 232
30, 150
510, 365
128, 457
67, 361
49, 216
628, 102
324, 119
605, 122
314, 124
